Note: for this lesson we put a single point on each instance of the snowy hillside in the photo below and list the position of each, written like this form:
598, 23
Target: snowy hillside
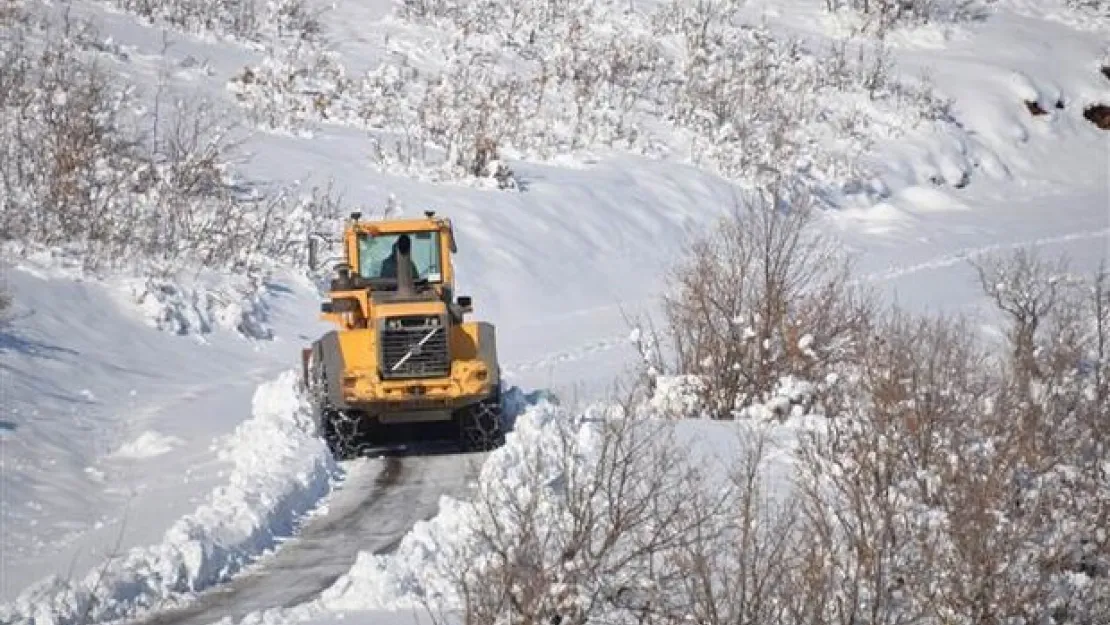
164, 162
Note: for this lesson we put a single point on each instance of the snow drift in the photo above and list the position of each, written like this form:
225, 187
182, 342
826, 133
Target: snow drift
279, 471
558, 464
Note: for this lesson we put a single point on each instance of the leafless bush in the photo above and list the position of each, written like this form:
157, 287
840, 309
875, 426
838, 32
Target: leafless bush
882, 16
948, 486
65, 148
590, 532
743, 572
568, 84
945, 491
749, 95
245, 19
83, 169
295, 82
876, 477
762, 297
1057, 402
546, 79
1028, 290
5, 302
1098, 8
923, 499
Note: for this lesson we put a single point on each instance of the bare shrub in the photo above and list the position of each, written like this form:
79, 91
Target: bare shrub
952, 488
870, 478
295, 82
568, 85
64, 145
743, 571
919, 500
1056, 403
545, 79
1028, 290
245, 19
82, 168
762, 296
882, 16
1098, 299
590, 530
5, 302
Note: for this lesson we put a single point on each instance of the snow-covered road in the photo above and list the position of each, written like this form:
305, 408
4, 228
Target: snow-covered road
377, 504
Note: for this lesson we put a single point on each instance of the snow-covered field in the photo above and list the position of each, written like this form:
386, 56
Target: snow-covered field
151, 441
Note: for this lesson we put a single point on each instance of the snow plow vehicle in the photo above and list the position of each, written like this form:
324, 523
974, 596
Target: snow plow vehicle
404, 363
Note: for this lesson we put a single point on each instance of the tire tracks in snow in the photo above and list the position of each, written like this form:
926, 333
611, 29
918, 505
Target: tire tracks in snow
375, 507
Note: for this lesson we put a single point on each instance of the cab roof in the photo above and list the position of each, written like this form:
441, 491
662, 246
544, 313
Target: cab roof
393, 226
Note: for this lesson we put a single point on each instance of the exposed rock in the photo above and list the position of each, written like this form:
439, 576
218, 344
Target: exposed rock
1035, 108
1099, 115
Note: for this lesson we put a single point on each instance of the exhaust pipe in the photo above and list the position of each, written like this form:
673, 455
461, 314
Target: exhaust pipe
406, 282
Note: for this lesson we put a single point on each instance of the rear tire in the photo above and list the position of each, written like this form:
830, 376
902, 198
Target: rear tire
343, 432
480, 425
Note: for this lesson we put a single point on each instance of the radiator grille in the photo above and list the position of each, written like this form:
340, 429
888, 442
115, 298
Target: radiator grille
414, 347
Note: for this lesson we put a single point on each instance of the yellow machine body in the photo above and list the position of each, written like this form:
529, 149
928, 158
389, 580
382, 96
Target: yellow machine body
356, 366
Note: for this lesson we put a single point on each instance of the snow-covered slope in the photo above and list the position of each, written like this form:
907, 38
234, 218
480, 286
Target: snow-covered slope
114, 424
119, 439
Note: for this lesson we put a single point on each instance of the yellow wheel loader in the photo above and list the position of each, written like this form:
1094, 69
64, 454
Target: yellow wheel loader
403, 357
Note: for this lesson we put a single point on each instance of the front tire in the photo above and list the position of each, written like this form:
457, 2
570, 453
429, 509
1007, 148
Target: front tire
480, 424
343, 433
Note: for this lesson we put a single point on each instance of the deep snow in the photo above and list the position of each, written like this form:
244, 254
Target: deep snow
117, 437
278, 472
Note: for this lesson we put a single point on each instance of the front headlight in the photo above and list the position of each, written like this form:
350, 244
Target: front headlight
479, 372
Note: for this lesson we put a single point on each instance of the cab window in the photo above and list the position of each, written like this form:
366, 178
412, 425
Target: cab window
377, 255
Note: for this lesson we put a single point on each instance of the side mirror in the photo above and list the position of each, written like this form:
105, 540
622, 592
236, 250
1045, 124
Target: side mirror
466, 303
326, 307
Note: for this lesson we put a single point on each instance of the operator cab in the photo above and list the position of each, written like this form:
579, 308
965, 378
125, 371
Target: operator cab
374, 253
379, 256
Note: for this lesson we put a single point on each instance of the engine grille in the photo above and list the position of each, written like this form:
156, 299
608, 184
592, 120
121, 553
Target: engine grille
414, 347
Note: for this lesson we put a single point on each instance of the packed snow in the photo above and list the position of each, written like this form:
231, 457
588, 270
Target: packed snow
147, 445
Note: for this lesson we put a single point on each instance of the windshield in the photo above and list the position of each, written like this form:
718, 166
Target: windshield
376, 257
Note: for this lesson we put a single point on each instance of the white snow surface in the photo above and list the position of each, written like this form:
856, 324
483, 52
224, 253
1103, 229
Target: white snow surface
279, 471
419, 575
147, 445
129, 439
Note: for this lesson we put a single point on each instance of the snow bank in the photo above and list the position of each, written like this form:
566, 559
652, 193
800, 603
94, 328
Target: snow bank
531, 471
185, 305
184, 301
279, 471
147, 445
417, 570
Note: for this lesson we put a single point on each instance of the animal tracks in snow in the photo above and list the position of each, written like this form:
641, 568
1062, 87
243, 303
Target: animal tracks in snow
582, 352
593, 348
962, 256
